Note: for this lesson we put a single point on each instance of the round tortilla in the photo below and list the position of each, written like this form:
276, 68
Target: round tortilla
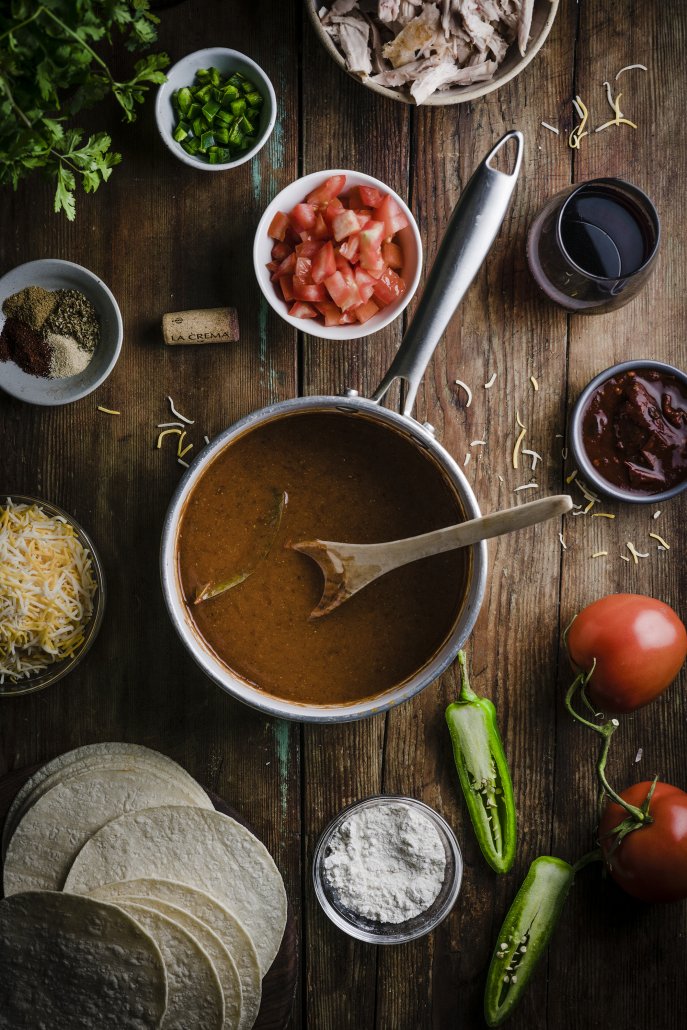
204, 849
194, 993
199, 904
223, 963
53, 831
72, 963
109, 755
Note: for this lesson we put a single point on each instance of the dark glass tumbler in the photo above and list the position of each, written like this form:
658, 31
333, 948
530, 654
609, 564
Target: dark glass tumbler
592, 247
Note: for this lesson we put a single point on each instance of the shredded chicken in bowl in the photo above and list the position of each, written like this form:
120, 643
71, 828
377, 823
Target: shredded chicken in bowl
426, 46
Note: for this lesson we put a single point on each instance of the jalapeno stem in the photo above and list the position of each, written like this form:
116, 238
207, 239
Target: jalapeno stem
466, 691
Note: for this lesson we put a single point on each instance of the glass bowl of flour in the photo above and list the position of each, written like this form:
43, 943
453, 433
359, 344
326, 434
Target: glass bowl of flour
387, 870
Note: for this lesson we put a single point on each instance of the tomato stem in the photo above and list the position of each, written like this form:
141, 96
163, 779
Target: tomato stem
608, 729
579, 683
592, 856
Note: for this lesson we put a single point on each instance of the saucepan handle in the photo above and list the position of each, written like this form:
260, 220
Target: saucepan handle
473, 227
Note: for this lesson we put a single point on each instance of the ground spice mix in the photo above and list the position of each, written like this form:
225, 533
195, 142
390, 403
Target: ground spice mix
27, 348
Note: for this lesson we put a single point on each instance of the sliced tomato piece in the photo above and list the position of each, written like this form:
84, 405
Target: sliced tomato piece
272, 266
308, 248
343, 266
303, 268
347, 316
330, 311
363, 215
350, 247
365, 311
333, 208
323, 263
302, 310
389, 287
303, 217
280, 251
353, 198
286, 285
287, 267
371, 246
365, 283
321, 229
278, 226
343, 291
329, 189
391, 214
345, 224
370, 196
308, 291
392, 255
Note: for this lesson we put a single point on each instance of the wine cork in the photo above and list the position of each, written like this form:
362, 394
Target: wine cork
212, 325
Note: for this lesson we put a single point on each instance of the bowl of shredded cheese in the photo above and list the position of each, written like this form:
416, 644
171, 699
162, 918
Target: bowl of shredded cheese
52, 594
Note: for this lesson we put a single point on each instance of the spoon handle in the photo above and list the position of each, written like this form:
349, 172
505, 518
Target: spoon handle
401, 552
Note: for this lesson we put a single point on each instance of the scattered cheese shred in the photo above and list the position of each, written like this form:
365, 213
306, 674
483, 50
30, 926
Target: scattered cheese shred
516, 449
572, 476
500, 478
167, 425
108, 411
656, 515
181, 461
638, 756
459, 382
619, 118
526, 486
46, 590
467, 459
490, 382
579, 131
629, 67
563, 543
517, 419
602, 515
186, 450
624, 557
478, 443
533, 455
207, 439
551, 128
661, 541
164, 433
534, 382
599, 554
635, 553
177, 414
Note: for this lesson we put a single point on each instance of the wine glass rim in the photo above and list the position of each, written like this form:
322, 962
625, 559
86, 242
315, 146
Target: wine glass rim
652, 212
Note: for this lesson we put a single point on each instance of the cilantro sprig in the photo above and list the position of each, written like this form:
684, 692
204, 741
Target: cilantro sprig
51, 67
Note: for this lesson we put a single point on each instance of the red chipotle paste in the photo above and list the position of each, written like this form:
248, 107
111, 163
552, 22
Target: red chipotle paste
634, 431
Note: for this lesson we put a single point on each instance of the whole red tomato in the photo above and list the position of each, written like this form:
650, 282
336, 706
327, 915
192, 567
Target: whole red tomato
650, 863
639, 645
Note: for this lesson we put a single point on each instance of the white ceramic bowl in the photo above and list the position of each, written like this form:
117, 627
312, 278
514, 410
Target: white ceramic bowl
543, 16
53, 274
183, 73
409, 239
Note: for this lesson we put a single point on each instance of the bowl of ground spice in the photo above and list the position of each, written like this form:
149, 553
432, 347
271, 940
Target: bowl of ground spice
60, 332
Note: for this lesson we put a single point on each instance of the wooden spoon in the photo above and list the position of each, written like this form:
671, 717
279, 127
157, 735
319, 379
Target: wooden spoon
347, 568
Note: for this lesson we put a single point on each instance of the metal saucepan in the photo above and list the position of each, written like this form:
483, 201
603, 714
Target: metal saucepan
472, 229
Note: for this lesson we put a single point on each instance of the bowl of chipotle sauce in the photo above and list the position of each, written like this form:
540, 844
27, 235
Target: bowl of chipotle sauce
628, 432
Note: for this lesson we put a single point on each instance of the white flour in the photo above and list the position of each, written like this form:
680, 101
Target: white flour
386, 863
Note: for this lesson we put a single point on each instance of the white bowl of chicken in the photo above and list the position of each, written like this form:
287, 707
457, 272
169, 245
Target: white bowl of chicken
433, 53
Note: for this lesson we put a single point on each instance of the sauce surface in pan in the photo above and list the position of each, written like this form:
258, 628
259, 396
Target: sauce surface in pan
347, 478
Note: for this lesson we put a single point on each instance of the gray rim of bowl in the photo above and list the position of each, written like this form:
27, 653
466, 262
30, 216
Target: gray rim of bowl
204, 166
587, 470
58, 670
400, 937
435, 100
79, 394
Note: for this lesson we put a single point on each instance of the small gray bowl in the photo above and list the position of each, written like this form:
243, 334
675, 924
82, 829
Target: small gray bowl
183, 74
389, 933
53, 274
587, 470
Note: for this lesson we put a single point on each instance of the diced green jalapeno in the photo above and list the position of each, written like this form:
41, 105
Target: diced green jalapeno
525, 934
217, 116
483, 773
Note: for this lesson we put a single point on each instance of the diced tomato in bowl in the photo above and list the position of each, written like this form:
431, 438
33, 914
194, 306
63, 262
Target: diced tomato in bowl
342, 253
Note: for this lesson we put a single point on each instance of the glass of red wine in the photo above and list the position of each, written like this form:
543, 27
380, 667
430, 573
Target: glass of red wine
592, 247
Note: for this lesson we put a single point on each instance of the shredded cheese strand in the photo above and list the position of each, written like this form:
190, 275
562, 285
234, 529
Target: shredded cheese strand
459, 382
177, 414
490, 382
661, 541
108, 411
551, 128
163, 434
629, 67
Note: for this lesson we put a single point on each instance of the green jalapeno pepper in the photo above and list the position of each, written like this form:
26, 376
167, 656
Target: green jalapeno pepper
483, 773
525, 934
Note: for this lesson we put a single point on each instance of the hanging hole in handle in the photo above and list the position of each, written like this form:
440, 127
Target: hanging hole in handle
507, 154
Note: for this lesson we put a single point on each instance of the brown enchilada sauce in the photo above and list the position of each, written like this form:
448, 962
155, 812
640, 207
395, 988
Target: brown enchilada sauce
347, 478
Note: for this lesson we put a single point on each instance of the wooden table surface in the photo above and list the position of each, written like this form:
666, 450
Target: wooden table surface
166, 237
